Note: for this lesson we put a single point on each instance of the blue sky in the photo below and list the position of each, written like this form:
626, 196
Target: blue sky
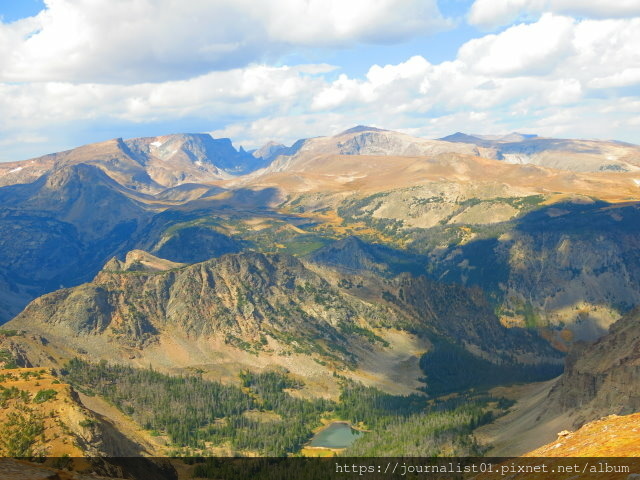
74, 72
13, 10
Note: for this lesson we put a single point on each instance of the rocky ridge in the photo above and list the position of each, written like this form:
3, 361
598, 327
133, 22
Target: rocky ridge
239, 308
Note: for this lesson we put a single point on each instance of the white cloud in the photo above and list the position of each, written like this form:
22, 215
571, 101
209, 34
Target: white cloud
131, 41
521, 49
249, 91
491, 14
494, 13
546, 77
333, 22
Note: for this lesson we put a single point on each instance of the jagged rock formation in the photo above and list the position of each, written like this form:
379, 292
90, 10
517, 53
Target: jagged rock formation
141, 261
145, 164
249, 301
270, 150
216, 158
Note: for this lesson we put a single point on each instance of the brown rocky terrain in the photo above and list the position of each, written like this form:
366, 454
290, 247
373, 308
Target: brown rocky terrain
576, 155
43, 416
105, 199
612, 436
144, 164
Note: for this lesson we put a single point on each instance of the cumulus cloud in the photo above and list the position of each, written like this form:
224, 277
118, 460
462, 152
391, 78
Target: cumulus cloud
490, 14
131, 41
521, 49
253, 90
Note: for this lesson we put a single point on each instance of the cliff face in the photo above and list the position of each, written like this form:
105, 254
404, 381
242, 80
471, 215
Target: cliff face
603, 378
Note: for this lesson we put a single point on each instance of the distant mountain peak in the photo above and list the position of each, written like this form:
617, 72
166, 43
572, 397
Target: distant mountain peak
198, 149
270, 150
362, 128
461, 137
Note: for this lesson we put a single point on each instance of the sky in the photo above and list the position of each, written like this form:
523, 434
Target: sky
79, 71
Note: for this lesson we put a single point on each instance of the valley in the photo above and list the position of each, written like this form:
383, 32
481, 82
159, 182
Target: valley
443, 296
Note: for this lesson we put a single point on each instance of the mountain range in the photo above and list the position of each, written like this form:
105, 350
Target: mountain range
370, 257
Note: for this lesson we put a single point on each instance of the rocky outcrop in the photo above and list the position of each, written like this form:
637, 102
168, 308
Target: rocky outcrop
188, 157
611, 436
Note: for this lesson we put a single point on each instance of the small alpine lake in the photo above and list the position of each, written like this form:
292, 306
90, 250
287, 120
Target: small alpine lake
335, 435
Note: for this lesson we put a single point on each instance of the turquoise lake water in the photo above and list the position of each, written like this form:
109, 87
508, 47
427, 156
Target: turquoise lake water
336, 435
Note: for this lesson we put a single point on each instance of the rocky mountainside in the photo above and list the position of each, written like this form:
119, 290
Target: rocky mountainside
564, 154
568, 262
151, 163
456, 203
112, 156
611, 436
145, 164
369, 257
227, 310
165, 155
270, 150
362, 140
574, 264
54, 229
353, 255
